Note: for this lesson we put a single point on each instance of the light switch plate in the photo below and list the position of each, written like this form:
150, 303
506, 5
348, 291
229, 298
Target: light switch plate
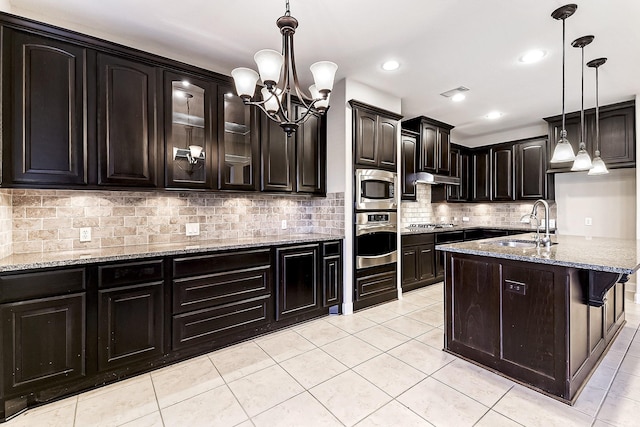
588, 221
192, 229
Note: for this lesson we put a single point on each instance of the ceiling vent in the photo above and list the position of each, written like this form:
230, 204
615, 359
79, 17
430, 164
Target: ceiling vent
452, 92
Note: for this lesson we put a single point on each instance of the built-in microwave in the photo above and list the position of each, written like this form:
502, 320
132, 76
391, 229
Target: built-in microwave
375, 189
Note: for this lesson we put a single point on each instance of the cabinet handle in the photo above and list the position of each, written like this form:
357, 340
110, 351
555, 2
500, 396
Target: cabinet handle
515, 287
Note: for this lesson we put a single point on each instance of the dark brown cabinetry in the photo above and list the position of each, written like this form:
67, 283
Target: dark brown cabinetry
44, 103
375, 285
298, 286
130, 313
532, 181
502, 173
238, 142
331, 274
418, 261
127, 122
433, 144
459, 169
278, 157
617, 135
375, 134
311, 141
481, 174
408, 143
189, 119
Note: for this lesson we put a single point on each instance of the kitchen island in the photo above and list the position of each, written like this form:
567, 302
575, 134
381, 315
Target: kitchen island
542, 316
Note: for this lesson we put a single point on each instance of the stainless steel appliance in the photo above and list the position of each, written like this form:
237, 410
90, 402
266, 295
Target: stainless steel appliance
375, 242
375, 190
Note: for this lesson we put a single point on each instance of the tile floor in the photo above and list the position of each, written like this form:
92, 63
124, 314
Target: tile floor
379, 367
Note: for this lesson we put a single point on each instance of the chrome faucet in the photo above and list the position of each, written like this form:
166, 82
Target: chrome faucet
546, 239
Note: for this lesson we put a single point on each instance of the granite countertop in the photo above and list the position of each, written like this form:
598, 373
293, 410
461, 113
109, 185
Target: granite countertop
19, 262
590, 253
456, 227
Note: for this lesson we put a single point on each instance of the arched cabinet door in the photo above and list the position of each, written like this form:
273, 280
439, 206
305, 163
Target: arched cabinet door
46, 98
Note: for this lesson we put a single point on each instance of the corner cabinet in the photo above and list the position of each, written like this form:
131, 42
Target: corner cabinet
617, 135
375, 136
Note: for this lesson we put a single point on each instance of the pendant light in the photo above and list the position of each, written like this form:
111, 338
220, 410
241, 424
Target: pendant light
598, 167
583, 161
563, 151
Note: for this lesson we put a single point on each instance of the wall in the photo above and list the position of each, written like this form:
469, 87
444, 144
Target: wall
482, 214
50, 220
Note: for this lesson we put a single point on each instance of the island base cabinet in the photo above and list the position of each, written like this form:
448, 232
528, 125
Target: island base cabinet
530, 322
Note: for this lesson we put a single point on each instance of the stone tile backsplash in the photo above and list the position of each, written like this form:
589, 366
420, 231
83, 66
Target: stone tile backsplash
50, 220
489, 214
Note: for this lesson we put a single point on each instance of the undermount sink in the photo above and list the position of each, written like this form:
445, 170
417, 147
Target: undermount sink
515, 243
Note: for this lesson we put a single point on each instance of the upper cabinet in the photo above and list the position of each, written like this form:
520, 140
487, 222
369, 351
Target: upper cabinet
189, 122
532, 181
311, 154
460, 169
44, 101
238, 142
375, 135
278, 156
502, 171
617, 135
127, 122
408, 143
433, 144
481, 174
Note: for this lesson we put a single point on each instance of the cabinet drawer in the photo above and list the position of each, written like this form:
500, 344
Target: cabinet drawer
194, 293
23, 286
417, 239
376, 283
211, 324
331, 248
217, 263
130, 273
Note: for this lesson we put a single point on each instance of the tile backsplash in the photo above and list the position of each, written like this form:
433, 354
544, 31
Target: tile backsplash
489, 214
50, 220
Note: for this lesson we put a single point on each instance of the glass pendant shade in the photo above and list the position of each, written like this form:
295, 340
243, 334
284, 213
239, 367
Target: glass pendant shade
321, 104
269, 64
245, 80
271, 102
598, 167
323, 75
583, 160
563, 151
195, 150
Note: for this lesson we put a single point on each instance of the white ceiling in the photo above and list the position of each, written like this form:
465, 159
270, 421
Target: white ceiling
441, 44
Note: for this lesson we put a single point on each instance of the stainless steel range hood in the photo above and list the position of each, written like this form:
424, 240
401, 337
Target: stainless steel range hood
428, 178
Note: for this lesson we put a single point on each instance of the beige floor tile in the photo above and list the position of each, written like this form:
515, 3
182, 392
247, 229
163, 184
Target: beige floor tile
631, 365
120, 404
321, 333
531, 408
619, 411
421, 356
474, 381
138, 379
433, 338
217, 407
351, 351
407, 326
613, 359
402, 306
151, 420
352, 323
589, 400
313, 367
420, 300
626, 385
441, 405
264, 389
284, 346
393, 414
301, 410
494, 419
379, 314
382, 337
390, 374
240, 360
350, 397
56, 414
428, 316
602, 377
600, 423
184, 380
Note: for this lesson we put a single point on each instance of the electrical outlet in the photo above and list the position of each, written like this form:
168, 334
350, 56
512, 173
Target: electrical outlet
284, 224
85, 234
552, 223
588, 221
465, 219
192, 229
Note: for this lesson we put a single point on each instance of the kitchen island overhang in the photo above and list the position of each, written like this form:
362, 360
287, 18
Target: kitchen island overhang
543, 317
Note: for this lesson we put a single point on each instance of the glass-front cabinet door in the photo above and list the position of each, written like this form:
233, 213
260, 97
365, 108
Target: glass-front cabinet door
238, 142
188, 132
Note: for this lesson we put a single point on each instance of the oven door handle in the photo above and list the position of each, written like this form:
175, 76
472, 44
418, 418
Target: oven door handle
370, 229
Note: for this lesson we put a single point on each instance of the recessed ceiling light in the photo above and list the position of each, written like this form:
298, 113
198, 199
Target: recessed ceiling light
391, 65
532, 56
494, 115
458, 97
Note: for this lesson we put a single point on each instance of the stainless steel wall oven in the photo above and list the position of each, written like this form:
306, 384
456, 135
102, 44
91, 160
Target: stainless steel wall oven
375, 242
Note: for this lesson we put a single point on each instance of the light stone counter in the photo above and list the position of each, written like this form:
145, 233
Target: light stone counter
589, 253
81, 257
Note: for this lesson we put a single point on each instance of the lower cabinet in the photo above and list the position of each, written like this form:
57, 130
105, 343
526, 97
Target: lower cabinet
331, 273
418, 261
375, 285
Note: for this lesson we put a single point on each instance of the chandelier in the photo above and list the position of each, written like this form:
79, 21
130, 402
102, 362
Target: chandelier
277, 70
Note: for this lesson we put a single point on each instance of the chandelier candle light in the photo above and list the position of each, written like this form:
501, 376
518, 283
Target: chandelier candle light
563, 151
583, 161
598, 167
276, 100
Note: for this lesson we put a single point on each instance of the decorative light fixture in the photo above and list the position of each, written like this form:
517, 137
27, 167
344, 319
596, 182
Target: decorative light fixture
598, 167
563, 151
582, 161
276, 95
193, 153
